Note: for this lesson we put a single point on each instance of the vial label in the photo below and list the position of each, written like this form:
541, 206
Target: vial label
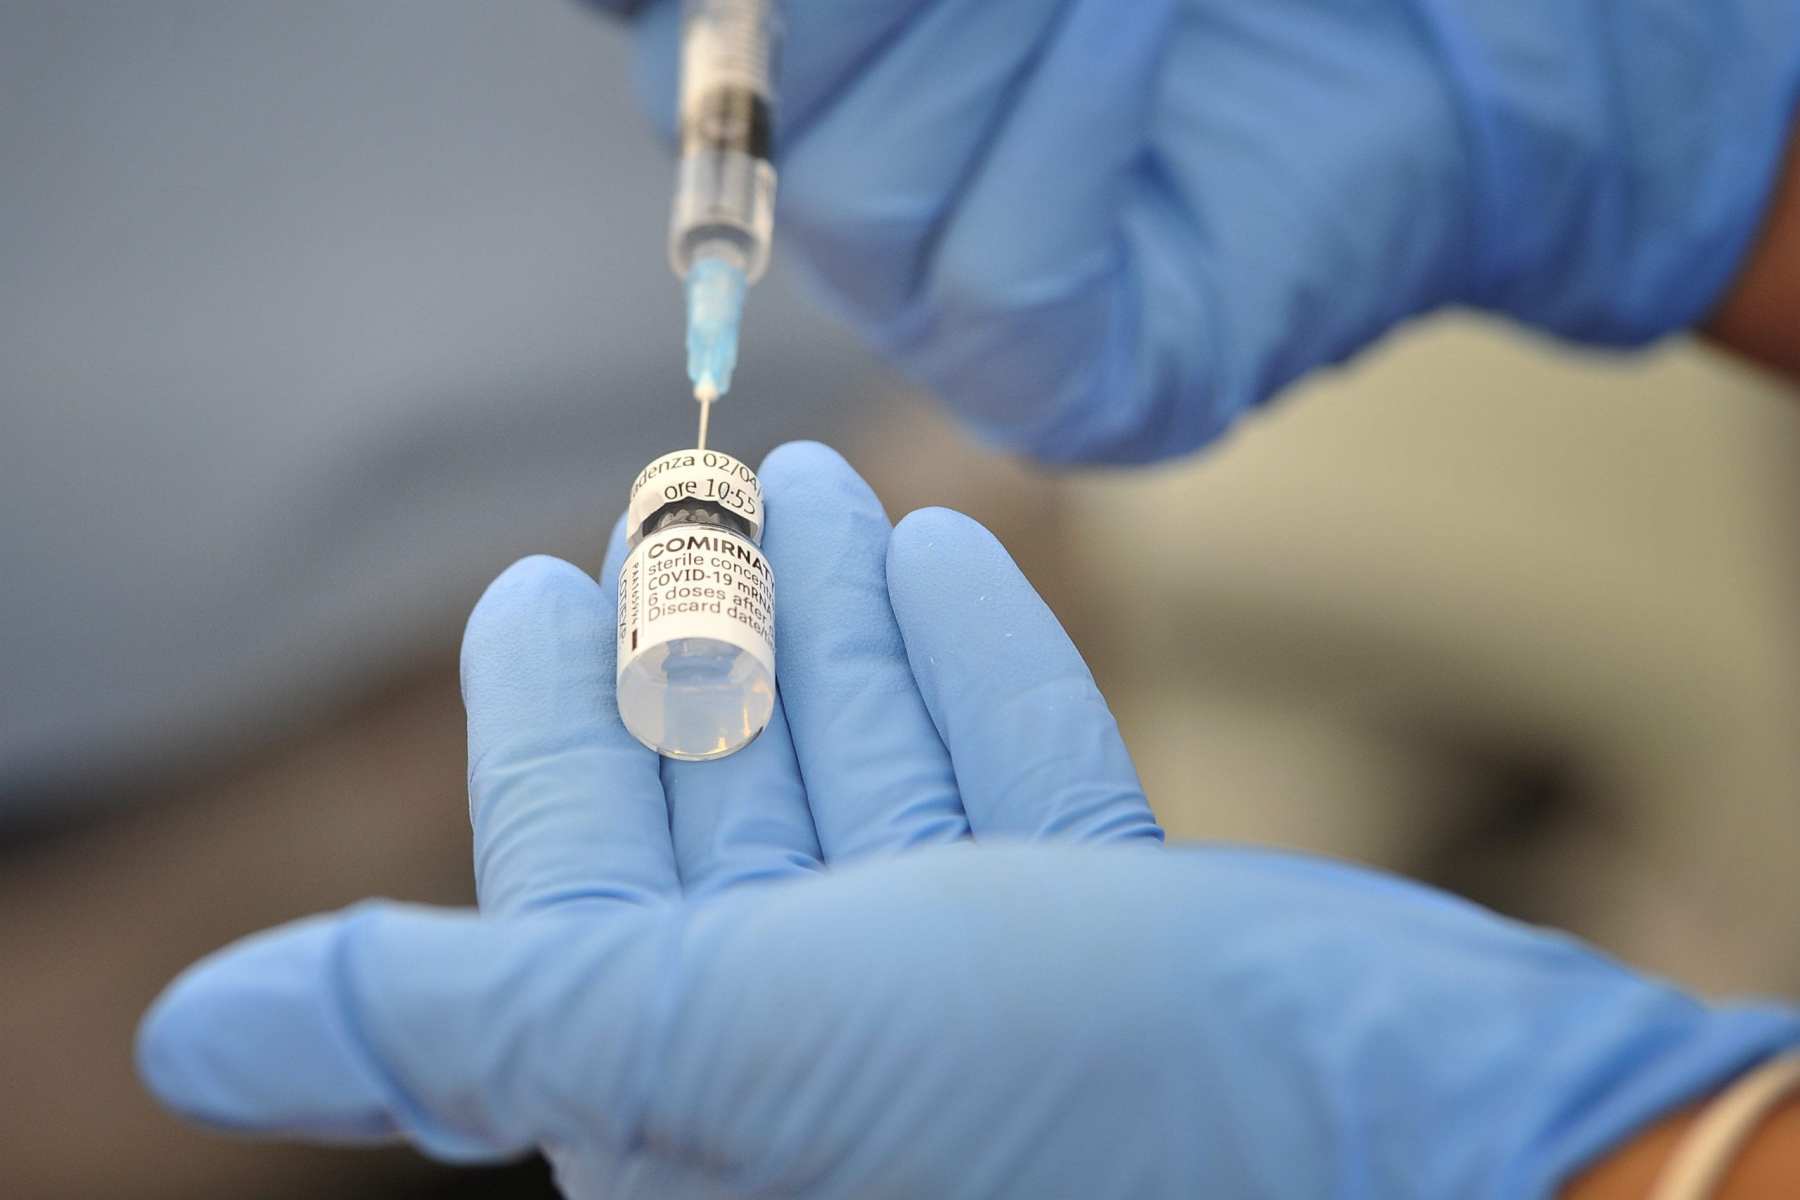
704, 475
696, 582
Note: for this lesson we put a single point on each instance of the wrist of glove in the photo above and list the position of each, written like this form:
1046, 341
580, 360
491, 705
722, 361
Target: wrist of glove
1624, 155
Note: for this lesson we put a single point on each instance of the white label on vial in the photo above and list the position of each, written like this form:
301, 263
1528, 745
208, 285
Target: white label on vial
704, 475
696, 581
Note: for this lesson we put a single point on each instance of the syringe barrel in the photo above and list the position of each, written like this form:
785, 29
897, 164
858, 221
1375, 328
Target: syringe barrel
725, 182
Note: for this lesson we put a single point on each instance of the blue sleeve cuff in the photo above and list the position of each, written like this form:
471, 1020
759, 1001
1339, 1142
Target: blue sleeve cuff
1630, 152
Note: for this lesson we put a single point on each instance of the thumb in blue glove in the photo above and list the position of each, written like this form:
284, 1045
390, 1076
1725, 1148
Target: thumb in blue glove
698, 979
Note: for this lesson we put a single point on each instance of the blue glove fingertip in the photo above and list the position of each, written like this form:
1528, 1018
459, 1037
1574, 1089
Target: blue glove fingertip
811, 465
1037, 751
249, 1039
512, 602
522, 646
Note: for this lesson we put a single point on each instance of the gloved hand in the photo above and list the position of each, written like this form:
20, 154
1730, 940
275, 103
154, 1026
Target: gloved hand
692, 979
1101, 230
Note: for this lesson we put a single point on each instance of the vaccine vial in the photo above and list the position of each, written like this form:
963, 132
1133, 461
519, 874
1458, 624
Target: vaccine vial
696, 608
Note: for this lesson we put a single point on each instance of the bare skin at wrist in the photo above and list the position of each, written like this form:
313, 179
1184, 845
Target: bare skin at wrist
1760, 316
1768, 1167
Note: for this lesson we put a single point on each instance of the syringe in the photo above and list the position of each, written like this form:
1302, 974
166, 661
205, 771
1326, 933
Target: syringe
724, 213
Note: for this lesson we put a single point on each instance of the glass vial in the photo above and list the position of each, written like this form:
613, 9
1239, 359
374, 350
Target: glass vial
696, 608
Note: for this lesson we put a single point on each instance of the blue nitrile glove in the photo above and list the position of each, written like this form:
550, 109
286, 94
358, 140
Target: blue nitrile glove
1101, 229
723, 978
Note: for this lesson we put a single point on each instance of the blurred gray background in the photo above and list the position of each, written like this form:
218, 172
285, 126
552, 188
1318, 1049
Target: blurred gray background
313, 317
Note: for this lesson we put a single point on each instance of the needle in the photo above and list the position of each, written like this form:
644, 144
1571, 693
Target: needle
705, 395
